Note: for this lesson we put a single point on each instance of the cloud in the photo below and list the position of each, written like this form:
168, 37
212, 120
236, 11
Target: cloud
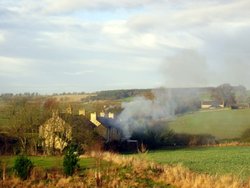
2, 38
126, 41
62, 6
79, 73
12, 66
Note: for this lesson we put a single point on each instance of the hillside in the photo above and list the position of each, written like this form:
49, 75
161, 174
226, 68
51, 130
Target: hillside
225, 124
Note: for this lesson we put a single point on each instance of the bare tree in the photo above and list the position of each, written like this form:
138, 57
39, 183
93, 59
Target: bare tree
24, 122
224, 93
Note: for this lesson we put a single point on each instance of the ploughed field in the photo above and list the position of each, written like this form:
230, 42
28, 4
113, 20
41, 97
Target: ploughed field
224, 124
230, 160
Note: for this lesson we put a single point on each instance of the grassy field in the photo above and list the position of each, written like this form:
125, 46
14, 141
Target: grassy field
212, 160
48, 162
111, 174
221, 124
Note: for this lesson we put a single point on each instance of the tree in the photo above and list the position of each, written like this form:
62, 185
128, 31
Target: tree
25, 120
240, 94
23, 166
224, 93
70, 160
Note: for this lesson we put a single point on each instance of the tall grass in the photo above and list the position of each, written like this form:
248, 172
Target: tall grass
176, 175
131, 171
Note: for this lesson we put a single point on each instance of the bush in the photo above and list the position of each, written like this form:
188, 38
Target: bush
154, 137
70, 160
194, 140
22, 167
245, 137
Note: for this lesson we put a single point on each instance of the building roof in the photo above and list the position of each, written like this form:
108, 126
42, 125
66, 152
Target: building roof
110, 123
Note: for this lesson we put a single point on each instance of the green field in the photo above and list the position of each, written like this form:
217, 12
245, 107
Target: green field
48, 162
221, 124
233, 160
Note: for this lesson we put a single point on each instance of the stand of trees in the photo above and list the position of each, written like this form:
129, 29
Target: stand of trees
25, 117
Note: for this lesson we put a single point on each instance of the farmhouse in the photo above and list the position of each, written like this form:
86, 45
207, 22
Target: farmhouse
55, 133
61, 129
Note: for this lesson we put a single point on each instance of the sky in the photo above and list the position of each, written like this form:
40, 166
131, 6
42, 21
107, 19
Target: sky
80, 45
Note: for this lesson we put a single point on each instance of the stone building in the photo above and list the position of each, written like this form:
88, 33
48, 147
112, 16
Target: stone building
55, 133
61, 129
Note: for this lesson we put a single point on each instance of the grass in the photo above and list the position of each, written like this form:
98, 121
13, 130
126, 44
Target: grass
48, 162
225, 124
176, 175
109, 174
212, 160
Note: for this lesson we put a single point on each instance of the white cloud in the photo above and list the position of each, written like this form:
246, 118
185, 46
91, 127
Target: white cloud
78, 73
60, 6
13, 67
2, 38
117, 27
62, 40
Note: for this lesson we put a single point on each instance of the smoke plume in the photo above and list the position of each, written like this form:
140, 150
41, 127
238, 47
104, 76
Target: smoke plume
141, 112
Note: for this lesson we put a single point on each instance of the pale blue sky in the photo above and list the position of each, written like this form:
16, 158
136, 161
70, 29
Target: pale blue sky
78, 45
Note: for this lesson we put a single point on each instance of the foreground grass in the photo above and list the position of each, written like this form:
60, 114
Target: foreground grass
48, 162
176, 175
94, 172
212, 160
225, 124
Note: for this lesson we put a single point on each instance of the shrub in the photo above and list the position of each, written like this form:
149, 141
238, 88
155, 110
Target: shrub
245, 137
154, 136
22, 167
70, 160
194, 140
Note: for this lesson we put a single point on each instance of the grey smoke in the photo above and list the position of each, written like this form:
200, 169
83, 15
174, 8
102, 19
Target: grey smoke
141, 111
187, 68
182, 70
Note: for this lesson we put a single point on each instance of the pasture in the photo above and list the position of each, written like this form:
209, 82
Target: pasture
48, 162
233, 160
224, 124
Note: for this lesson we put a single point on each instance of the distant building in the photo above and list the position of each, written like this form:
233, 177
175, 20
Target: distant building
209, 104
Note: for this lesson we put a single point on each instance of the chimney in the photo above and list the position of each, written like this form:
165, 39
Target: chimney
102, 114
82, 112
93, 119
111, 115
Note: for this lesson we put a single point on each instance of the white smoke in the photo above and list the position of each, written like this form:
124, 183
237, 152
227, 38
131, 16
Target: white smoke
185, 69
141, 111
